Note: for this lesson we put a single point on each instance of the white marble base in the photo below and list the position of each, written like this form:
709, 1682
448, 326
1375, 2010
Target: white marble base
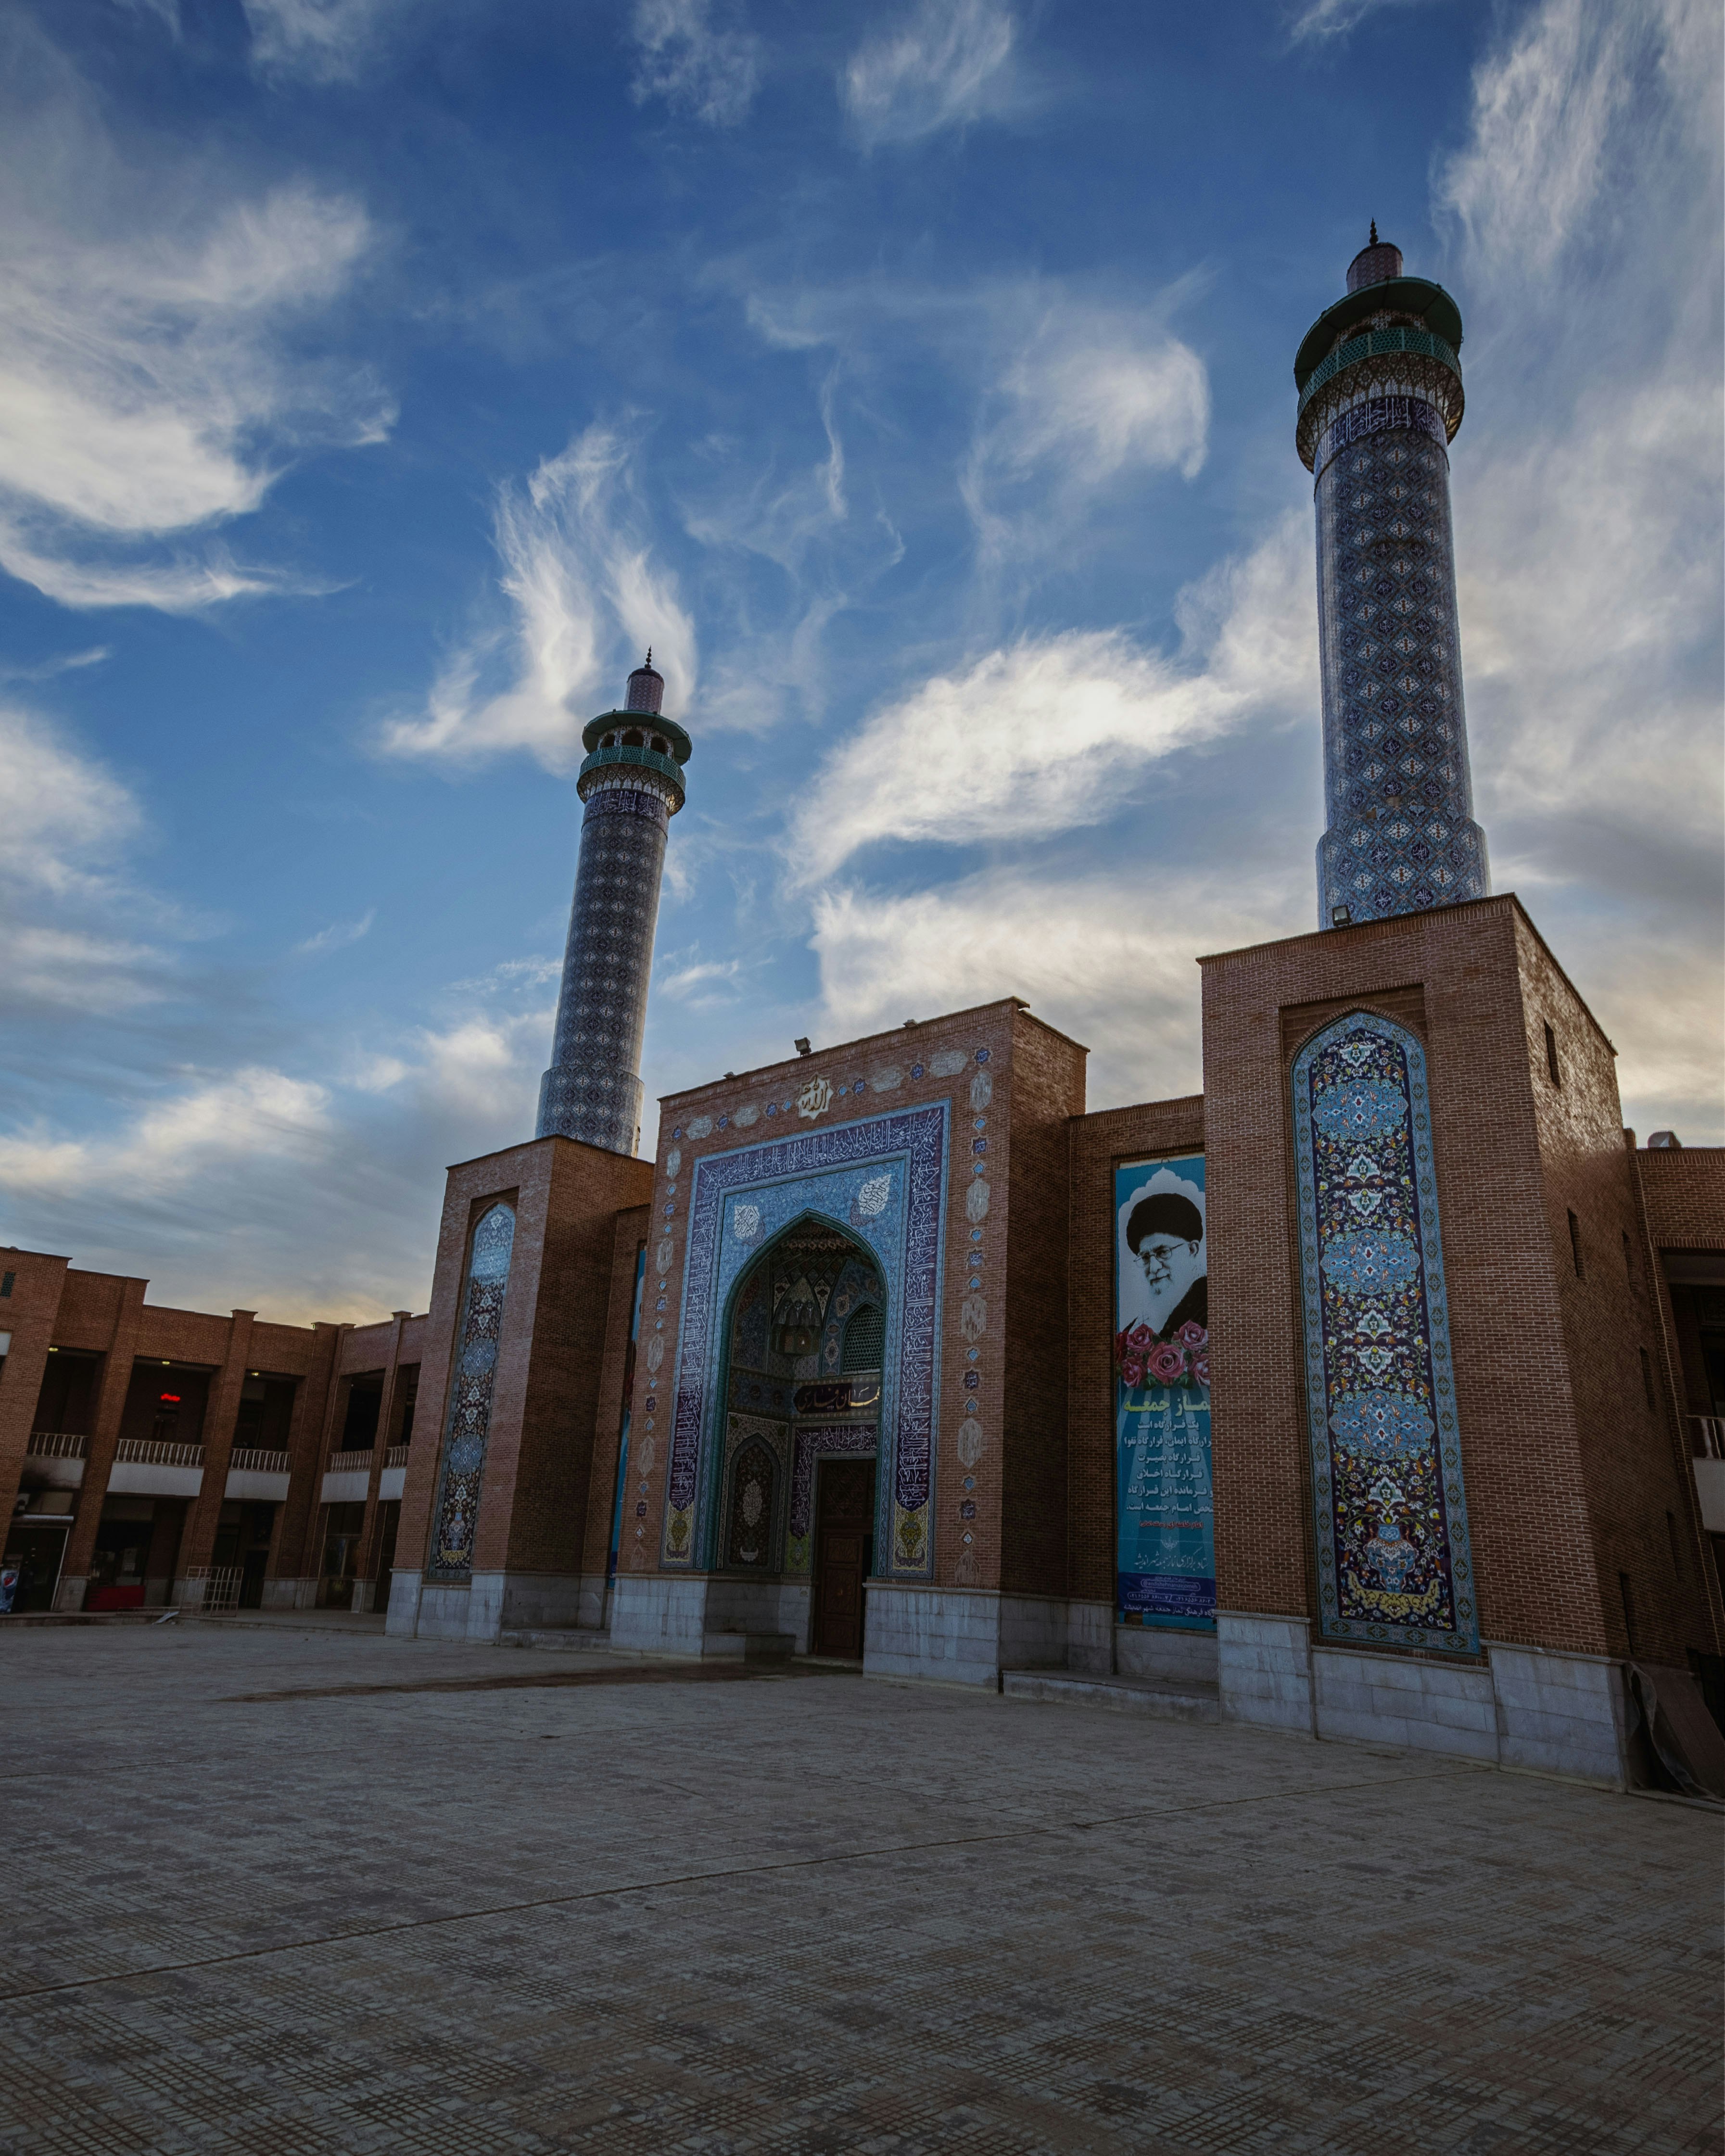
1561, 1714
1538, 1709
402, 1621
659, 1613
1416, 1705
1158, 1650
959, 1635
291, 1594
509, 1601
490, 1604
1264, 1668
1089, 1638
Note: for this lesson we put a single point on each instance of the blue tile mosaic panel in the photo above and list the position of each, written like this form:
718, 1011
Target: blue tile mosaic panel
881, 1181
467, 1425
1394, 1564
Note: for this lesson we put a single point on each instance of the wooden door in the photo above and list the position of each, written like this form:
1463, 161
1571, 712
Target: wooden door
844, 1549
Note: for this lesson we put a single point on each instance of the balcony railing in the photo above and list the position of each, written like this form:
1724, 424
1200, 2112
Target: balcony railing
58, 1445
397, 1456
154, 1452
350, 1463
1706, 1437
254, 1462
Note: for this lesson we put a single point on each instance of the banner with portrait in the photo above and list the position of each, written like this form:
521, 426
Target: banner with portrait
1165, 1552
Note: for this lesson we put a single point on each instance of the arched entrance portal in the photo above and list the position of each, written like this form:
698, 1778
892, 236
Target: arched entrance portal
803, 1394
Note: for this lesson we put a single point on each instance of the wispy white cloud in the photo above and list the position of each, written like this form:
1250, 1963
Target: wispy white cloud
1088, 396
316, 41
1321, 19
337, 936
948, 64
72, 942
1543, 133
1108, 959
149, 381
588, 597
46, 669
697, 58
252, 1114
1584, 203
1052, 733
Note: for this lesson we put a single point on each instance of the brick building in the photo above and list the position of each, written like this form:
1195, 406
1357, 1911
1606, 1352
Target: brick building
892, 1352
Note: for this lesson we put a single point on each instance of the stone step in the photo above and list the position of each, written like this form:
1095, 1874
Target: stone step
566, 1639
748, 1646
1190, 1700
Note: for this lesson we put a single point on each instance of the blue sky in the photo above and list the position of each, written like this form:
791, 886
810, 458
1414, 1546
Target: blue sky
377, 377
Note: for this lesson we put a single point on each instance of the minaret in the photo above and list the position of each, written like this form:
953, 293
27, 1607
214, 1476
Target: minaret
631, 782
1380, 400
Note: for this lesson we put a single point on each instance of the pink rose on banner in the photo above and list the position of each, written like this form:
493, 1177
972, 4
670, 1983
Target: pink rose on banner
1192, 1335
1166, 1364
1140, 1339
1201, 1369
1132, 1371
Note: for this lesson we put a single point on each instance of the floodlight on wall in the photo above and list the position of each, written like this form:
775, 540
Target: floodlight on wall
1340, 916
801, 1047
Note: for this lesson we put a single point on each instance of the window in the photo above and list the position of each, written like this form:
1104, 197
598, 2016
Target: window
1647, 1378
5, 1281
1575, 1246
1551, 1056
863, 1339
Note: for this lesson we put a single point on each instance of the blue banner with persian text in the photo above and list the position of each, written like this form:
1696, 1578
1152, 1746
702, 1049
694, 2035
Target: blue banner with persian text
1165, 1561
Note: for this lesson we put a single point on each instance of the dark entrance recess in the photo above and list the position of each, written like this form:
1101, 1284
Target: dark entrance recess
844, 1554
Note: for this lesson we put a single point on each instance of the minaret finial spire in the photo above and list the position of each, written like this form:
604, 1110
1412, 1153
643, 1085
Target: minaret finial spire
1372, 242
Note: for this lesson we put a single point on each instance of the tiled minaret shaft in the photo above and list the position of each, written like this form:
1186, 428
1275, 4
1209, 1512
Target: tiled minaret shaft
631, 782
1379, 381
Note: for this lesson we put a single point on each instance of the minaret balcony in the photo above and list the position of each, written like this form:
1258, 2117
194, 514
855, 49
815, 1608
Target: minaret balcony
666, 771
1405, 359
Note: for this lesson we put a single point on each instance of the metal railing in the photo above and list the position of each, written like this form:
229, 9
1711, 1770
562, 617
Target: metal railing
254, 1462
1707, 1436
58, 1445
154, 1452
397, 1456
213, 1589
1377, 344
350, 1463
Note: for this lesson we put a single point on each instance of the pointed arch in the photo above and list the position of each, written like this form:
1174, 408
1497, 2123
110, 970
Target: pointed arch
742, 1444
1394, 1566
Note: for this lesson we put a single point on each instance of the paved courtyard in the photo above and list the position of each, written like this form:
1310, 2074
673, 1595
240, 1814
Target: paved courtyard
283, 1889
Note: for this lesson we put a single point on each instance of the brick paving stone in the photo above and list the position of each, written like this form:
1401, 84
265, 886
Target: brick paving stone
802, 1911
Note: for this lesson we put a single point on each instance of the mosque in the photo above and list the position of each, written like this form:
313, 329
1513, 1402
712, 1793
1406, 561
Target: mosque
891, 1352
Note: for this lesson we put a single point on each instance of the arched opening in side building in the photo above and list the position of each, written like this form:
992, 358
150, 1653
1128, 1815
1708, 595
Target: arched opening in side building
797, 1488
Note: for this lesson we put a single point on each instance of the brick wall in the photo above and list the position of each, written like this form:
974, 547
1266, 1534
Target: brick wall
1683, 1190
1030, 1291
1096, 1146
1652, 1583
1046, 1079
552, 1350
630, 1231
1532, 1536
